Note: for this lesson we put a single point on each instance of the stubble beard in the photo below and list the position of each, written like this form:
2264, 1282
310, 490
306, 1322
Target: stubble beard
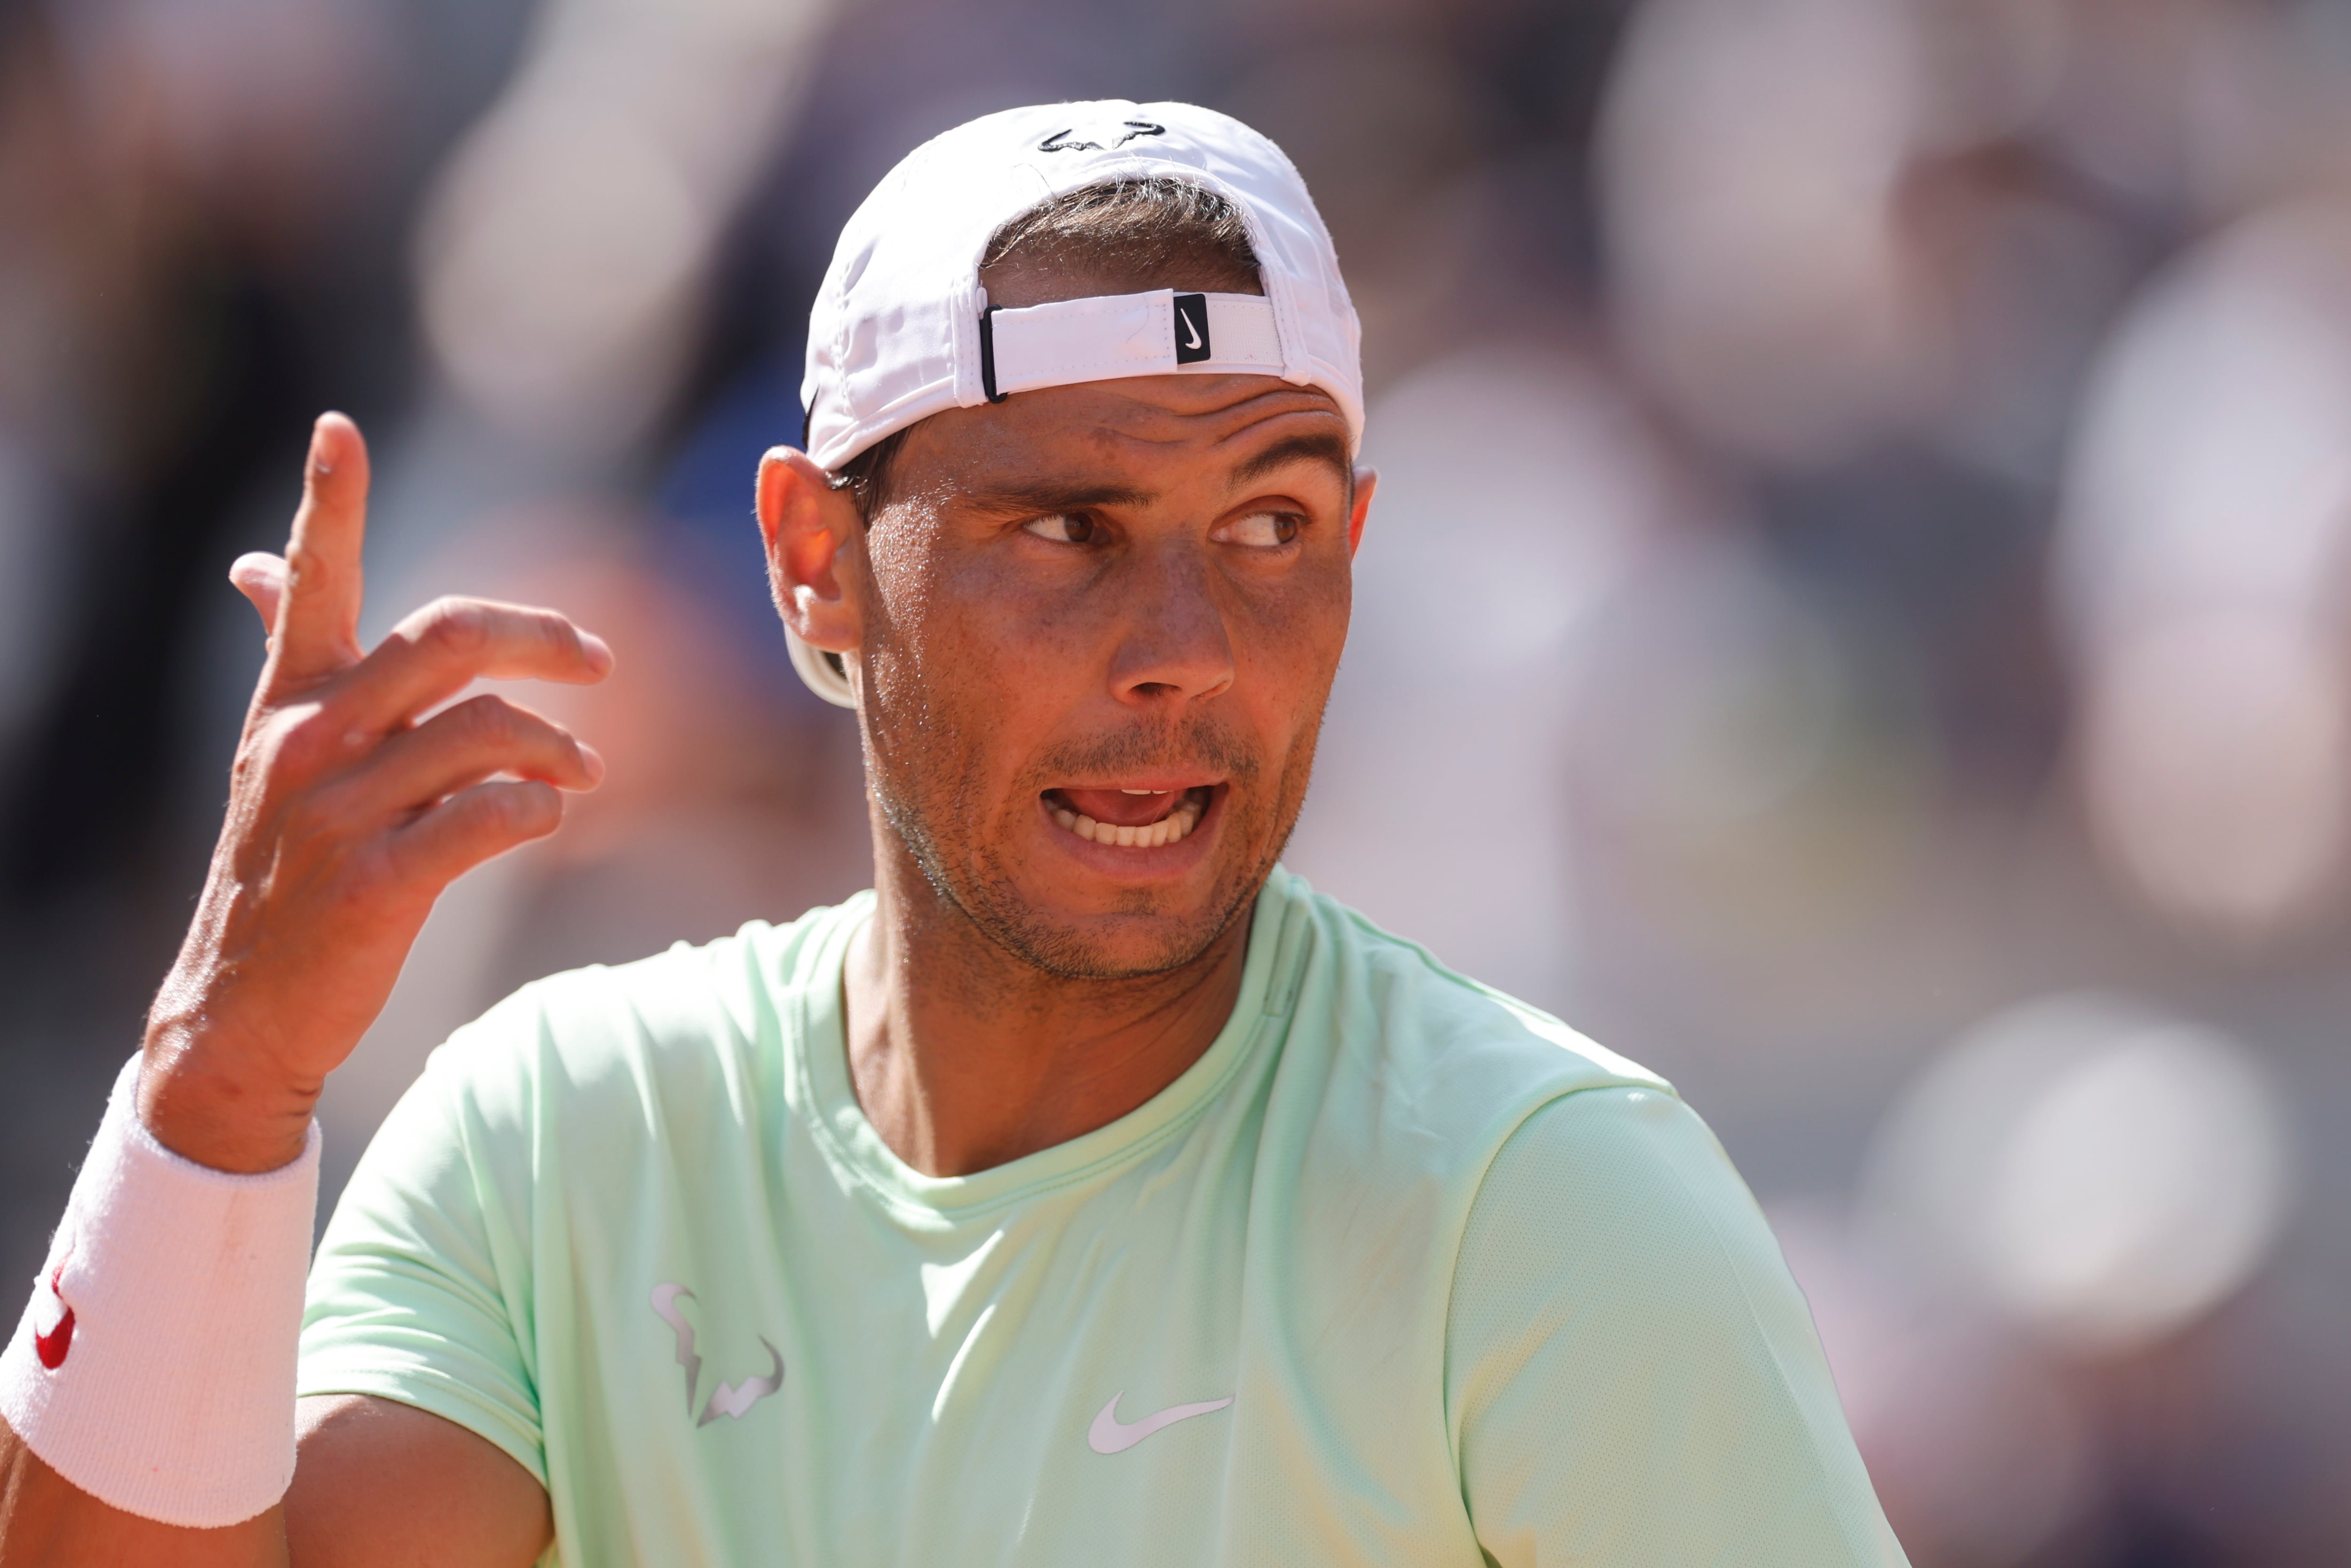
957, 842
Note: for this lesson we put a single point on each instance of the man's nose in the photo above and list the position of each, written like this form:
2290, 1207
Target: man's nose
1174, 643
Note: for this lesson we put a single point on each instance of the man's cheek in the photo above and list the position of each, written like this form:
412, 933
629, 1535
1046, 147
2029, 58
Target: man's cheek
1041, 663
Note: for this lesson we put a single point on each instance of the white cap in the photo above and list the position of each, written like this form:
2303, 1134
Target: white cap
903, 329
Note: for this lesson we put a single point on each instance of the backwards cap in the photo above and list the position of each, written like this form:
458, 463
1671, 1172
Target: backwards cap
902, 327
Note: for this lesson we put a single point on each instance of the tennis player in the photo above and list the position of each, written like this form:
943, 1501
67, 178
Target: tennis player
1091, 1191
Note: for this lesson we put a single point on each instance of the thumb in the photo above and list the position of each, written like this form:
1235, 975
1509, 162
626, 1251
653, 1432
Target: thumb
261, 578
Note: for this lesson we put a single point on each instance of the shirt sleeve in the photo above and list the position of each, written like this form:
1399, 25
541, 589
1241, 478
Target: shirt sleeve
422, 1278
1632, 1377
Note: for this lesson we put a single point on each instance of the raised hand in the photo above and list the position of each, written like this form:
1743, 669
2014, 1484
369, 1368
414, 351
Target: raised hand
347, 817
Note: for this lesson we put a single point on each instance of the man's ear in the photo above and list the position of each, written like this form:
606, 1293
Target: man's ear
1366, 481
807, 524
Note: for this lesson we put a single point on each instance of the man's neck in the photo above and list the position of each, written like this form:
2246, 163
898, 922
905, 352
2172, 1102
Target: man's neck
964, 1057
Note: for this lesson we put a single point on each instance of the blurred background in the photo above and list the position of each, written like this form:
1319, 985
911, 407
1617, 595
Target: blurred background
1855, 616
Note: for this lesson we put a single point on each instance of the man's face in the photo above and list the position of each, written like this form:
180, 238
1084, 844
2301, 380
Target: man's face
1098, 627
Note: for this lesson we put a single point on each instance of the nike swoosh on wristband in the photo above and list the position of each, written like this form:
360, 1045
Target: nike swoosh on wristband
52, 1344
1109, 1435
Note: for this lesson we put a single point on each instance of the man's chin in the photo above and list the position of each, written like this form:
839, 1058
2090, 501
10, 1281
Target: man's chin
1083, 912
1094, 933
1109, 947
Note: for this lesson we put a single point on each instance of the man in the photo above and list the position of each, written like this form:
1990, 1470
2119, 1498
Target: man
1090, 1191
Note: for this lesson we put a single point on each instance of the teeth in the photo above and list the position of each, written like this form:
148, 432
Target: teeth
1167, 830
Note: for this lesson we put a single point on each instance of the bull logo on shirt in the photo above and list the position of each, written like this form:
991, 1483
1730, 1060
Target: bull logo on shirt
728, 1399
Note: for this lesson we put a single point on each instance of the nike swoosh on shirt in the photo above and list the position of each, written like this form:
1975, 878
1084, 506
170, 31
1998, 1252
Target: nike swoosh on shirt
1109, 1435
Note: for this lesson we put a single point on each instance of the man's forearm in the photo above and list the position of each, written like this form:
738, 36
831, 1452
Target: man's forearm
46, 1522
149, 1384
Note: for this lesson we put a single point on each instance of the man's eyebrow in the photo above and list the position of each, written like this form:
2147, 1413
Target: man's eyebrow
1322, 446
1053, 496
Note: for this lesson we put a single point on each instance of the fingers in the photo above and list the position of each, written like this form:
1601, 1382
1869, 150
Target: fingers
472, 826
318, 626
261, 578
442, 648
466, 744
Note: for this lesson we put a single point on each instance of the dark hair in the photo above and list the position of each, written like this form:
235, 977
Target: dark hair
1141, 230
1158, 233
863, 475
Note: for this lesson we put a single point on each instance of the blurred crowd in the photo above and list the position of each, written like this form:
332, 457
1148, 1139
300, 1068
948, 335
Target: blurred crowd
1855, 616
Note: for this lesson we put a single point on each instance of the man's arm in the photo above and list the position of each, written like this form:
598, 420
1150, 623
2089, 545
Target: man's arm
379, 1485
45, 1522
352, 803
1631, 1376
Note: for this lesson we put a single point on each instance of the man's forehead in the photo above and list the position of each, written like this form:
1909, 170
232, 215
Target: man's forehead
1133, 436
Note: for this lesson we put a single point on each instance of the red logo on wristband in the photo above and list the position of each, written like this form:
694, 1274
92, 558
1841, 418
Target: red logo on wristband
51, 1347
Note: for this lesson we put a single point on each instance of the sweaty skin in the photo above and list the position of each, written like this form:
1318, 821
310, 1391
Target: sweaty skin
1084, 591
352, 803
1124, 600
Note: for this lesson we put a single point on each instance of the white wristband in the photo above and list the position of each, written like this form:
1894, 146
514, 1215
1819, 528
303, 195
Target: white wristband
154, 1366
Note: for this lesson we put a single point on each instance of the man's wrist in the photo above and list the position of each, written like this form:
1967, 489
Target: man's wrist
215, 1105
154, 1364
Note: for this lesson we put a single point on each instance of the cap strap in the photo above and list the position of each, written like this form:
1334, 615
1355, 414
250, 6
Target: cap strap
1157, 333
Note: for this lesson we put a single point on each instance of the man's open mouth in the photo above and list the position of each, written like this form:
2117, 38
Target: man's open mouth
1129, 818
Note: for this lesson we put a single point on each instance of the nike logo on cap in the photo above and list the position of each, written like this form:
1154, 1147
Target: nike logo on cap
1109, 1435
1192, 329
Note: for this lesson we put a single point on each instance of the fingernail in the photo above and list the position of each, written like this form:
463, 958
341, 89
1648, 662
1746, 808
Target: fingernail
598, 653
319, 463
593, 761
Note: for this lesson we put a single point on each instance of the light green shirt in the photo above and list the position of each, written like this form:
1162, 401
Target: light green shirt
1399, 1270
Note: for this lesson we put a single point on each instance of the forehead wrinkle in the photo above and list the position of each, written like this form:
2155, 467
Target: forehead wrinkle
1133, 428
1215, 430
1077, 494
1054, 495
1185, 401
1024, 489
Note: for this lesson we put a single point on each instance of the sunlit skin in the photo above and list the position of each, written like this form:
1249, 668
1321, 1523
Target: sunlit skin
1139, 585
356, 797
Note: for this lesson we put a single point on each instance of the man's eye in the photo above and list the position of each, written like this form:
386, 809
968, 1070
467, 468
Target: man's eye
1062, 528
1260, 530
